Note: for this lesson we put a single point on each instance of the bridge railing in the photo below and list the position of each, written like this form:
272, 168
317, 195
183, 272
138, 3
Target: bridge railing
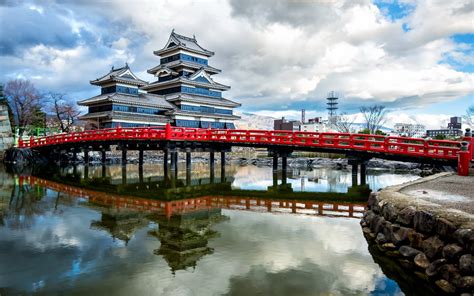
441, 149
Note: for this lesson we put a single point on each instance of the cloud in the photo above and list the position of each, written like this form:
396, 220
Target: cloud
276, 55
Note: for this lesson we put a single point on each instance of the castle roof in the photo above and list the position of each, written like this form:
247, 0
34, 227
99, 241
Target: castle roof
143, 99
121, 75
182, 79
192, 98
177, 41
175, 64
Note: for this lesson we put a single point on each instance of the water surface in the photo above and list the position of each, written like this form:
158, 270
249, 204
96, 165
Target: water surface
238, 236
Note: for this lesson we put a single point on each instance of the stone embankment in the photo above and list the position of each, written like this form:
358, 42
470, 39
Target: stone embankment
420, 228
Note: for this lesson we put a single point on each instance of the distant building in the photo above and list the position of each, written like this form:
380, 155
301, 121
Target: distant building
286, 125
455, 123
184, 93
409, 130
315, 125
454, 129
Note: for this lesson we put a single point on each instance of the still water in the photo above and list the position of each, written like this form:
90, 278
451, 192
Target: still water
74, 232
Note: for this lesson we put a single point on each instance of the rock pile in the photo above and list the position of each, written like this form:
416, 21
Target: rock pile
428, 245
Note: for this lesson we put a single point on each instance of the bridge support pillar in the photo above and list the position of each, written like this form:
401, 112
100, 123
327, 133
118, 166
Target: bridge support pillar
140, 174
284, 162
86, 156
174, 162
124, 174
188, 160
355, 169
222, 166
363, 173
188, 177
74, 155
104, 170
140, 157
124, 156
104, 155
211, 166
275, 161
165, 160
86, 171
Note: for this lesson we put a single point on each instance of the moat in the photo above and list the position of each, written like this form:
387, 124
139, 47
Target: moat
109, 230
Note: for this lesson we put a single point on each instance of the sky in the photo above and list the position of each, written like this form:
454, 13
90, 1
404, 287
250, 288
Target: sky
414, 57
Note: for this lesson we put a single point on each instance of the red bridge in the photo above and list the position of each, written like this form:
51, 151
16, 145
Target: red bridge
358, 147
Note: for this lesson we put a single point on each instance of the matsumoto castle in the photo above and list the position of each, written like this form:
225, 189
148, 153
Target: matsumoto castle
184, 93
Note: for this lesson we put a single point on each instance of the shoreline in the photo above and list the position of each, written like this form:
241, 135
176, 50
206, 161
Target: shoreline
416, 232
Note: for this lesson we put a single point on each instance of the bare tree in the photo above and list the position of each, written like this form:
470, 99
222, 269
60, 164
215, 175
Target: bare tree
65, 112
343, 123
24, 100
374, 117
469, 117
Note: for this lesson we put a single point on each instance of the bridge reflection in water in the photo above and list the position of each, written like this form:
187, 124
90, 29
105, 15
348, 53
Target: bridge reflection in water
183, 211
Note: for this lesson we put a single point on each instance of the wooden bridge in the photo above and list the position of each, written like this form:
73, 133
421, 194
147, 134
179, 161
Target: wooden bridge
358, 147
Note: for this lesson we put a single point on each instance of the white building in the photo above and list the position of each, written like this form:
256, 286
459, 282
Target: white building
409, 130
316, 125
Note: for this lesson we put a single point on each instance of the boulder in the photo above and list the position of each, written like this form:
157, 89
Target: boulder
433, 246
445, 286
389, 212
405, 216
377, 224
445, 228
433, 268
424, 222
463, 235
449, 272
452, 251
466, 264
409, 252
466, 282
416, 239
421, 261
373, 200
380, 239
403, 234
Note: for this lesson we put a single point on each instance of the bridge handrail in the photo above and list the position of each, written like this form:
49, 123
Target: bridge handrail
362, 142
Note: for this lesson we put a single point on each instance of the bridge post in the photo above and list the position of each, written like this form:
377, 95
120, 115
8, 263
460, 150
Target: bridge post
140, 174
104, 158
174, 160
211, 165
86, 155
275, 179
140, 157
363, 173
74, 155
355, 169
86, 171
468, 138
165, 160
188, 177
464, 160
104, 170
124, 155
222, 166
284, 162
188, 160
275, 161
124, 174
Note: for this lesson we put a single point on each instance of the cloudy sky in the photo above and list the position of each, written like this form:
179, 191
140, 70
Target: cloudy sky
415, 57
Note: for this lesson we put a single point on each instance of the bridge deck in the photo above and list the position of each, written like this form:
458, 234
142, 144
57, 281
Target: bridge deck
336, 142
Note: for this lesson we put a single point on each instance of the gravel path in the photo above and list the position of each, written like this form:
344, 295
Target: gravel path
450, 191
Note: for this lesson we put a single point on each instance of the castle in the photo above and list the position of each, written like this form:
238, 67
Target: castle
184, 93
